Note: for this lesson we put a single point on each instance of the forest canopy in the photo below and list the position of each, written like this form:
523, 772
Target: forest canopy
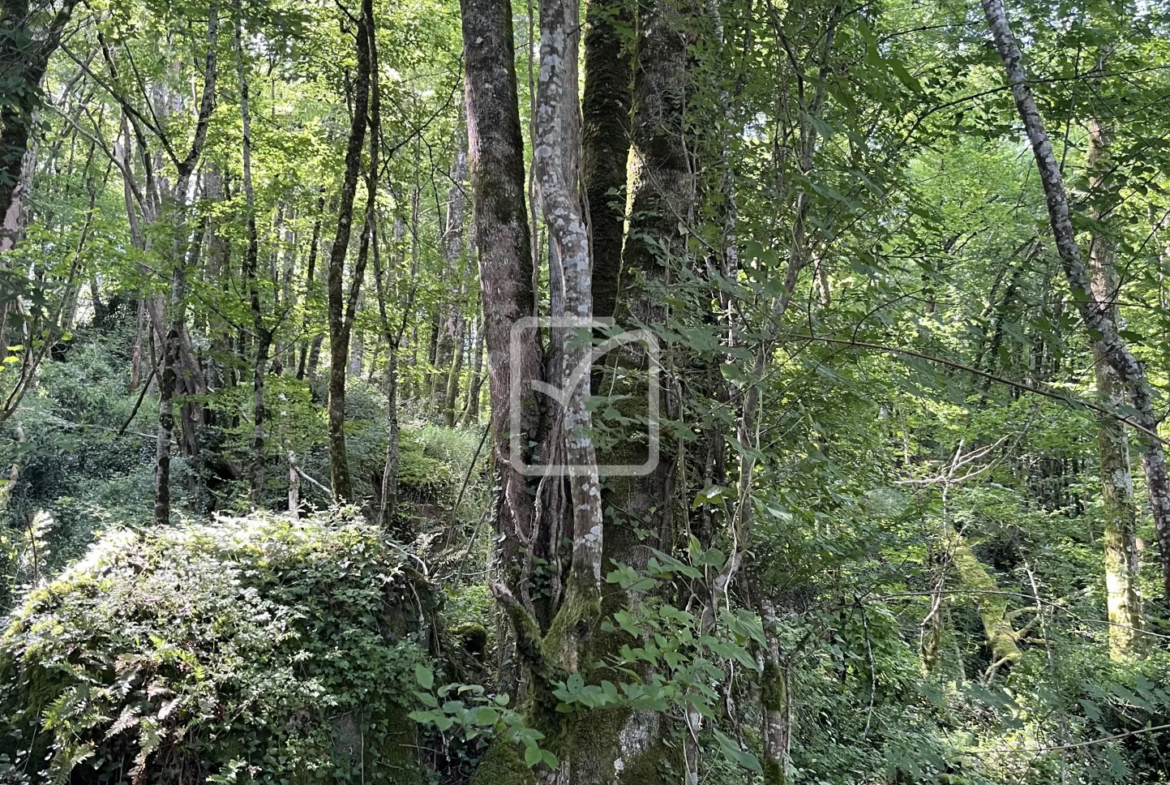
584, 392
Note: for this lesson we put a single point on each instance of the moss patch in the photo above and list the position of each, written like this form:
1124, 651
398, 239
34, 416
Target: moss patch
503, 765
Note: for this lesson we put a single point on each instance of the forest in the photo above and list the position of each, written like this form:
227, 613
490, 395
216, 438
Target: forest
584, 392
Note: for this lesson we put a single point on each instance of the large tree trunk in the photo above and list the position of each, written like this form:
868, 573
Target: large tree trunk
342, 308
1097, 316
605, 140
496, 166
662, 197
1118, 507
25, 50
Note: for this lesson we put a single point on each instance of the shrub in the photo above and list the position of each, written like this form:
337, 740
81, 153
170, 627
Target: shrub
256, 648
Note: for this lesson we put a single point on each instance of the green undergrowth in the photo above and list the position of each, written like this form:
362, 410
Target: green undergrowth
250, 649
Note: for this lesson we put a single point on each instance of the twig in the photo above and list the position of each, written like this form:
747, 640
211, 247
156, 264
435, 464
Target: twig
304, 476
138, 403
1077, 745
471, 467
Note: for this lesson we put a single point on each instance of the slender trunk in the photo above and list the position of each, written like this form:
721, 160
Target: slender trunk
341, 308
451, 393
389, 510
173, 340
389, 491
1118, 507
294, 485
471, 410
357, 344
455, 255
314, 361
775, 702
262, 334
310, 286
284, 297
1096, 316
556, 160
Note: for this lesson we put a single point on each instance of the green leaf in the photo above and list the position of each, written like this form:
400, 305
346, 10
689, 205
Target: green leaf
424, 676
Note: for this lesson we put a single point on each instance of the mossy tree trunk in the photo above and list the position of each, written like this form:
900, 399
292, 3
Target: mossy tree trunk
993, 603
635, 99
605, 139
1118, 508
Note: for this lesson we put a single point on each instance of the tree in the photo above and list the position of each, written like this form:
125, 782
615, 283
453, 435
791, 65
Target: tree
343, 306
1094, 313
496, 167
28, 42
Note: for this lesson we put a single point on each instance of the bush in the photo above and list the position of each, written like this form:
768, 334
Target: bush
258, 648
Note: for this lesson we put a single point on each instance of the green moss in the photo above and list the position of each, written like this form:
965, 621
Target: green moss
503, 765
393, 750
774, 773
661, 762
992, 604
473, 636
772, 688
596, 744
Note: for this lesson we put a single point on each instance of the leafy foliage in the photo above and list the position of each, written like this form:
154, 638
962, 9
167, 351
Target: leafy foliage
249, 649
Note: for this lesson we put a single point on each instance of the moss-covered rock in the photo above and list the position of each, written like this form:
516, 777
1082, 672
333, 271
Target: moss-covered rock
503, 764
252, 649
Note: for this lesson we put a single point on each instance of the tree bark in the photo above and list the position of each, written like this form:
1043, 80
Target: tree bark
263, 336
1095, 315
342, 308
1118, 508
172, 348
24, 57
496, 168
605, 140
